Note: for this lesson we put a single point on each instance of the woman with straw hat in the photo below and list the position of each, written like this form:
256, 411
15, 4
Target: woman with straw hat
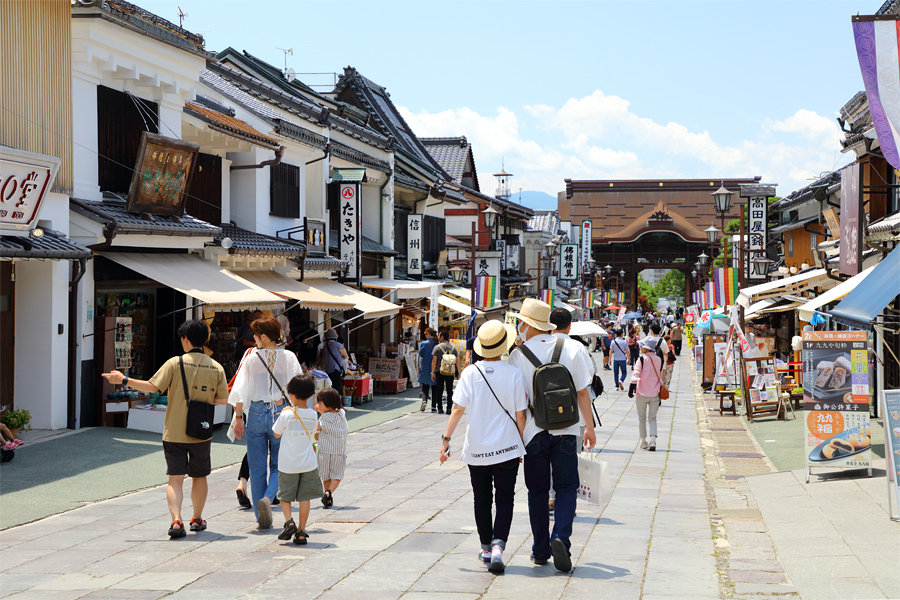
645, 382
494, 393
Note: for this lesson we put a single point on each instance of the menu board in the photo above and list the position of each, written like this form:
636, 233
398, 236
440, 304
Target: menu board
836, 399
892, 437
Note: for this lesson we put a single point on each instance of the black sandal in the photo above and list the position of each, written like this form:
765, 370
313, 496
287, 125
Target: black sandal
177, 533
327, 499
198, 524
300, 538
243, 500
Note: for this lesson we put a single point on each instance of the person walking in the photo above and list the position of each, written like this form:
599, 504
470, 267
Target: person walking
260, 385
426, 377
445, 369
677, 335
185, 455
633, 350
556, 447
645, 382
494, 393
607, 349
670, 363
620, 353
332, 356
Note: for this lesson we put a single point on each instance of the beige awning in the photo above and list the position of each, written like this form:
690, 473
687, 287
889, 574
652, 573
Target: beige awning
456, 305
833, 295
781, 287
403, 290
219, 288
309, 294
374, 308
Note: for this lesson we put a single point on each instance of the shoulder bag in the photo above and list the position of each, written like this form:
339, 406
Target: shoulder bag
663, 390
200, 415
337, 359
278, 385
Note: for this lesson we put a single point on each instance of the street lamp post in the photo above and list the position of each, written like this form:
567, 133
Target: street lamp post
723, 202
490, 216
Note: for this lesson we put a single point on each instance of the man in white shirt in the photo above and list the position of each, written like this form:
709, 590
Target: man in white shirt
558, 447
656, 337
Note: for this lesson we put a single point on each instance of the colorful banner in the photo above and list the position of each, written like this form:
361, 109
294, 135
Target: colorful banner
876, 46
836, 399
727, 286
711, 295
548, 296
588, 301
487, 292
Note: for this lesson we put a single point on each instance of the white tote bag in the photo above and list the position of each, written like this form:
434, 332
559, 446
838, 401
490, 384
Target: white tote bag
595, 486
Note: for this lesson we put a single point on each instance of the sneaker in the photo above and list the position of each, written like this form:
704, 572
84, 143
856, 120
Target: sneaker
561, 559
198, 525
496, 565
300, 538
290, 528
422, 408
433, 409
652, 444
539, 561
265, 513
484, 555
643, 444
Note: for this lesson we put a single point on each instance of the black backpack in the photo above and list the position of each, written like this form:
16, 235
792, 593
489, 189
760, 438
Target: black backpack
555, 402
658, 351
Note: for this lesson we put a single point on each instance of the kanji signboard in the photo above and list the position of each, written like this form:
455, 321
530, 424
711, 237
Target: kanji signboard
585, 240
349, 241
851, 224
414, 245
23, 187
501, 248
757, 224
568, 262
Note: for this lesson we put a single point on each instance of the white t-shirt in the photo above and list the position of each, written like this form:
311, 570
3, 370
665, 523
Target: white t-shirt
663, 346
579, 364
296, 454
491, 437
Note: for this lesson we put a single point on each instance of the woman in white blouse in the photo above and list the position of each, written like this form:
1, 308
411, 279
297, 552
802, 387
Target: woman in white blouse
258, 391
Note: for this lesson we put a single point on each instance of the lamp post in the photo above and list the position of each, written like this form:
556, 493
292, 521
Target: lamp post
490, 216
722, 199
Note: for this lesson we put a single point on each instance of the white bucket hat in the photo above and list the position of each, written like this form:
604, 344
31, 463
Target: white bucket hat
537, 314
494, 338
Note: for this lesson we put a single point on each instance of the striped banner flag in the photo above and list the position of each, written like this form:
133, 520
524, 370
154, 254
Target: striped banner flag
876, 48
727, 286
487, 292
711, 295
548, 296
588, 300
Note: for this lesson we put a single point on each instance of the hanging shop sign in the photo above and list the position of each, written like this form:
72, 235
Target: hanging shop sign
586, 240
434, 292
851, 219
757, 226
836, 399
315, 236
487, 264
689, 329
349, 231
501, 248
568, 262
25, 179
414, 245
512, 257
161, 175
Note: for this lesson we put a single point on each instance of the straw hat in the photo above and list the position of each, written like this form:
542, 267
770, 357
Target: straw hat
494, 338
537, 314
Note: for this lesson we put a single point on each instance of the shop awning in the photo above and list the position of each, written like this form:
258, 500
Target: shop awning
557, 303
220, 289
349, 175
456, 305
374, 308
459, 292
834, 294
865, 303
404, 290
780, 287
308, 294
755, 309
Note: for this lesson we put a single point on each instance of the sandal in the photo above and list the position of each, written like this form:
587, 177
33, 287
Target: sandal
300, 538
330, 499
243, 500
326, 497
179, 532
198, 524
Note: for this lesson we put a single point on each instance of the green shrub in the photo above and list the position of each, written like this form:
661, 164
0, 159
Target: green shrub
16, 419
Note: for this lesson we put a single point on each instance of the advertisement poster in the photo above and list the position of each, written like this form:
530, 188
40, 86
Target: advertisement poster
892, 436
836, 398
689, 329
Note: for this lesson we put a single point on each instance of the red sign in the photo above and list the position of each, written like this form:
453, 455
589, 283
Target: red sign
689, 319
348, 192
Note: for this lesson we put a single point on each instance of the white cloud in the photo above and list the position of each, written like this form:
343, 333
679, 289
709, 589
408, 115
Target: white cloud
599, 137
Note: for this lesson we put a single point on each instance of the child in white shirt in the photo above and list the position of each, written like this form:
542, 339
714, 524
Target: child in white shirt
298, 475
332, 438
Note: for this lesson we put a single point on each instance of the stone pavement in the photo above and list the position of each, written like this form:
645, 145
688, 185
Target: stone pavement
402, 527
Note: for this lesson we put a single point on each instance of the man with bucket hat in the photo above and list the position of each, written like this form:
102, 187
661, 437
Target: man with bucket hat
557, 447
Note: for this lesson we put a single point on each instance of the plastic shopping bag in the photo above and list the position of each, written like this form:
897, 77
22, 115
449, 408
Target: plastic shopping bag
595, 485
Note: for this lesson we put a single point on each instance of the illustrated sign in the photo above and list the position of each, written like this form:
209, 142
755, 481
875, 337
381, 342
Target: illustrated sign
487, 266
385, 366
892, 436
757, 225
161, 175
585, 240
414, 245
25, 179
568, 262
315, 236
689, 329
836, 398
851, 220
512, 257
349, 232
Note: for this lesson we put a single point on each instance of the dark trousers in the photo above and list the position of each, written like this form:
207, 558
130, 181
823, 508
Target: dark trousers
337, 381
503, 478
426, 391
437, 399
677, 345
244, 473
560, 452
634, 352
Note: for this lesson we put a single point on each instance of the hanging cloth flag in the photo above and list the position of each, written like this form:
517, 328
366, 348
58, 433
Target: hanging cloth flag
711, 295
588, 300
876, 48
487, 292
548, 296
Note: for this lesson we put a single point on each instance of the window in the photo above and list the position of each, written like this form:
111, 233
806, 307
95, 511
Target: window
284, 191
121, 120
893, 199
204, 199
790, 244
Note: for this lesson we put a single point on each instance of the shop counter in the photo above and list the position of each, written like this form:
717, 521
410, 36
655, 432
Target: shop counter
152, 417
361, 383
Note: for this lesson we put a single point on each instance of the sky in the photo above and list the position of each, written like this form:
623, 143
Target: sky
582, 90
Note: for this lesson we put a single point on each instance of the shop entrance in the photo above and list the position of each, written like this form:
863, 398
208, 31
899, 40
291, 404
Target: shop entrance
7, 333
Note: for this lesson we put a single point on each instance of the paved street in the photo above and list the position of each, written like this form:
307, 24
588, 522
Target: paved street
402, 527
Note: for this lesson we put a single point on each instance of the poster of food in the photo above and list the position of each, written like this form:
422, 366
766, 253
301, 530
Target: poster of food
892, 436
836, 399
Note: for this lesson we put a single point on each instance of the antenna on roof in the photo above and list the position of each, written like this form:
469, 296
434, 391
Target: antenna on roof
286, 52
181, 17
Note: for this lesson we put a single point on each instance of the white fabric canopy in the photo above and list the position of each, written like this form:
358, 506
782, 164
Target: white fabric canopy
779, 287
586, 328
404, 290
307, 293
374, 308
836, 293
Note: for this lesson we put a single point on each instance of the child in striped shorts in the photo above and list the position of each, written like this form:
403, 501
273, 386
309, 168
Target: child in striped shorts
331, 434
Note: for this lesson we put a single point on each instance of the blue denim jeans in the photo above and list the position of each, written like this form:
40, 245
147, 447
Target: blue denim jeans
560, 451
262, 447
617, 366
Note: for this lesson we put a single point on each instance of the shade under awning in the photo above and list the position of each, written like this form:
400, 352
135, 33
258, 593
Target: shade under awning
219, 288
310, 296
836, 293
456, 305
403, 290
374, 308
780, 287
865, 303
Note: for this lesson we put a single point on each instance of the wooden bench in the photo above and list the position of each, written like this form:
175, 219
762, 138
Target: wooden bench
723, 395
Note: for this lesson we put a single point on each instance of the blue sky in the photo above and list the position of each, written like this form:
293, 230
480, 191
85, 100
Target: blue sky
582, 89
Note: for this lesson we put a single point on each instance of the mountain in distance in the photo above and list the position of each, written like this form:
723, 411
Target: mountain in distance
535, 200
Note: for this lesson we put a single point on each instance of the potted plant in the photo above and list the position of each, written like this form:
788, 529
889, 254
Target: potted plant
16, 419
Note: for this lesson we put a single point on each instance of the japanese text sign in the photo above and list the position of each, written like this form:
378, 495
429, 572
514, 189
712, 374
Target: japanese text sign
349, 231
757, 224
586, 240
500, 246
24, 184
414, 245
512, 257
161, 175
851, 219
568, 262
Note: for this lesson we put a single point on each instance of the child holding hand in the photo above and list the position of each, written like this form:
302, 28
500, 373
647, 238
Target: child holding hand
332, 437
298, 477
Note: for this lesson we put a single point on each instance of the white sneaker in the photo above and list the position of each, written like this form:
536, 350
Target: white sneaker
643, 444
652, 443
496, 565
422, 408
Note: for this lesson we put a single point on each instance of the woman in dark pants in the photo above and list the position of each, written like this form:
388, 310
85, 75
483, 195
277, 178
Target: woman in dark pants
332, 356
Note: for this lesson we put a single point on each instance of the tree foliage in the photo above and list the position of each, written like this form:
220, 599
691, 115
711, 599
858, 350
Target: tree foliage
670, 286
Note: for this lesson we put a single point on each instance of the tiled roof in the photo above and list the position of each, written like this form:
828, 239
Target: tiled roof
327, 264
544, 220
449, 240
367, 245
793, 225
271, 72
813, 191
128, 223
450, 153
52, 246
884, 229
410, 183
248, 242
229, 125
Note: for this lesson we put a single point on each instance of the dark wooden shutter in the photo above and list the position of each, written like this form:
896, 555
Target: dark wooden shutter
285, 191
204, 199
119, 127
434, 238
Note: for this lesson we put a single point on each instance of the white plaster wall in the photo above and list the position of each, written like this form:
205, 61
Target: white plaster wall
371, 212
460, 225
41, 352
84, 131
55, 212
